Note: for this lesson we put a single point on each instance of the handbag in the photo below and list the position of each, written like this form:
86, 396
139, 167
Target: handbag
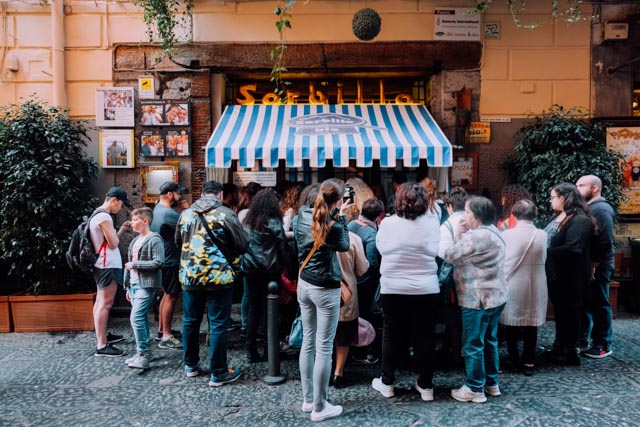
238, 267
445, 278
366, 333
295, 336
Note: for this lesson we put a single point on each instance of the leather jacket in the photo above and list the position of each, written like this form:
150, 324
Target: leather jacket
268, 250
323, 269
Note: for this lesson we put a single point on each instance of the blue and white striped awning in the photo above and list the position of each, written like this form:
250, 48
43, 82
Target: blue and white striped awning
321, 132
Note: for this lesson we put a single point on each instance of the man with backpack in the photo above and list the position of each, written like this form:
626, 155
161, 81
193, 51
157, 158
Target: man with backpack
107, 271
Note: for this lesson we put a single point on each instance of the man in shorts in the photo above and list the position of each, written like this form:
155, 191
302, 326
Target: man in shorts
107, 271
165, 219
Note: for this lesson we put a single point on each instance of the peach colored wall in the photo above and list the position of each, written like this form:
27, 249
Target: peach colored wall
525, 71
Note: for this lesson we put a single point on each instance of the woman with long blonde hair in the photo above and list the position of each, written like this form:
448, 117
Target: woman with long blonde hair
320, 233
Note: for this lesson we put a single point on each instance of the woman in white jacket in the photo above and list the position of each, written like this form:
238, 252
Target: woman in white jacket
524, 270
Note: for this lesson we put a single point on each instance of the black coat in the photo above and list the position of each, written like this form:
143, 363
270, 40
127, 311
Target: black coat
268, 251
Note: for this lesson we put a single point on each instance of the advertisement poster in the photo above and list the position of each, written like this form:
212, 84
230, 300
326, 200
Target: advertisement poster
152, 112
626, 141
456, 24
479, 133
116, 148
114, 107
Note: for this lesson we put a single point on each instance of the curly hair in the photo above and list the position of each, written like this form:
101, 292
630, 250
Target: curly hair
264, 206
510, 195
362, 192
431, 187
331, 192
412, 200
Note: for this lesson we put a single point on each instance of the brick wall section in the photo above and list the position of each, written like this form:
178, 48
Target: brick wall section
200, 133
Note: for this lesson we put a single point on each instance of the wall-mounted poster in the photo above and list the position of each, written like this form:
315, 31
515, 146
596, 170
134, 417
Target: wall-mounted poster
114, 107
152, 112
151, 143
177, 143
164, 112
464, 172
146, 87
177, 113
116, 148
626, 141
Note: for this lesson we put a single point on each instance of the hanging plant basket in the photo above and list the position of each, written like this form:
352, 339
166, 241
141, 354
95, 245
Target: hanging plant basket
366, 24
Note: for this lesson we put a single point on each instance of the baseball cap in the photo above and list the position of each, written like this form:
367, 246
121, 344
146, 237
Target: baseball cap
119, 194
171, 186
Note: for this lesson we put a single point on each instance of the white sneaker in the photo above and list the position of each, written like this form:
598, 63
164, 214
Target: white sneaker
425, 393
465, 394
385, 390
307, 407
492, 390
140, 362
131, 359
329, 411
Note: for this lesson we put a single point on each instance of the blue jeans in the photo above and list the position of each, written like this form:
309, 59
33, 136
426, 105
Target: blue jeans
319, 309
480, 346
597, 309
141, 299
244, 304
218, 304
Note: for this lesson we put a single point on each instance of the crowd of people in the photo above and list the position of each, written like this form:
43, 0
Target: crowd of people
452, 260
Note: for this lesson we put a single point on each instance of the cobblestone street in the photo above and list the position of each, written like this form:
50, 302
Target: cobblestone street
55, 380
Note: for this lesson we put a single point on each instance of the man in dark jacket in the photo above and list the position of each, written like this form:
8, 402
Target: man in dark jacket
207, 276
597, 306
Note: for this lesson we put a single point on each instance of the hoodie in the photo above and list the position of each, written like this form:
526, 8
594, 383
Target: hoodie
202, 264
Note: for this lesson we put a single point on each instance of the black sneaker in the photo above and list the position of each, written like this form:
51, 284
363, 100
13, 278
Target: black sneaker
598, 352
109, 351
114, 338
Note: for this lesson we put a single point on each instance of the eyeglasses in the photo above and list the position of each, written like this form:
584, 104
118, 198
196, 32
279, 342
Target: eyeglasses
553, 197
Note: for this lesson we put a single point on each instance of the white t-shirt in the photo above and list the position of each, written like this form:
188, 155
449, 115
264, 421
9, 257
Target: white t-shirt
134, 277
113, 258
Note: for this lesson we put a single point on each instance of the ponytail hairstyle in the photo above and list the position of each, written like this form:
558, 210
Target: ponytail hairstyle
331, 192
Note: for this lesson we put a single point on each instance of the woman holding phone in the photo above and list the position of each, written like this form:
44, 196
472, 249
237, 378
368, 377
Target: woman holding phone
320, 233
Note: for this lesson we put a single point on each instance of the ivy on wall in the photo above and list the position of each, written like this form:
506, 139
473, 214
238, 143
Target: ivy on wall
162, 17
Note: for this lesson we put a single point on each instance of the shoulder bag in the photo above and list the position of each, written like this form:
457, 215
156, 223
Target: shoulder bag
515, 267
238, 268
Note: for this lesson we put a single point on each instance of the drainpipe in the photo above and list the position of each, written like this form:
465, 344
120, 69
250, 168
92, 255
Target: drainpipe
57, 53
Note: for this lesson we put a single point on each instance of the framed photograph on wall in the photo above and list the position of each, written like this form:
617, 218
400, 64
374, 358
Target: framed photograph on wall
464, 172
151, 143
177, 143
152, 112
177, 113
114, 107
116, 148
153, 176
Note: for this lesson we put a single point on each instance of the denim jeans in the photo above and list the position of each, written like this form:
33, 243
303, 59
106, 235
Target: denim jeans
141, 299
480, 346
597, 309
218, 304
244, 304
319, 308
414, 314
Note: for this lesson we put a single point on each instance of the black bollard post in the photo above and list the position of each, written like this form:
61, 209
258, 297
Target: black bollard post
273, 339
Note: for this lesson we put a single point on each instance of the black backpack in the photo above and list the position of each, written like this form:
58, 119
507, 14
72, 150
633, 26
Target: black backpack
81, 255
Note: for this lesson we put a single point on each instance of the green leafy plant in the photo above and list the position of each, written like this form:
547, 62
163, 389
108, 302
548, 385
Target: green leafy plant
162, 17
561, 145
46, 179
283, 23
572, 13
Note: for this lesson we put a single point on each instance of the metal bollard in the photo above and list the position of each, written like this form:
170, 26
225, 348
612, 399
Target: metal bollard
273, 339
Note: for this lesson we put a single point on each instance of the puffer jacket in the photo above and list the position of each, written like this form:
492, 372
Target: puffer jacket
268, 250
149, 263
323, 269
203, 266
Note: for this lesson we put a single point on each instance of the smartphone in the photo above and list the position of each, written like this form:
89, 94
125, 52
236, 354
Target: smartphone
348, 194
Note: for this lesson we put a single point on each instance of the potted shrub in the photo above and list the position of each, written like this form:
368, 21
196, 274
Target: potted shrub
46, 181
561, 145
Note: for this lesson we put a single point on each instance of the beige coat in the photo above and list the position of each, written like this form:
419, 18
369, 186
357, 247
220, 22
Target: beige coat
527, 302
353, 264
